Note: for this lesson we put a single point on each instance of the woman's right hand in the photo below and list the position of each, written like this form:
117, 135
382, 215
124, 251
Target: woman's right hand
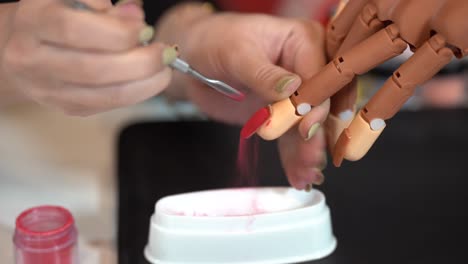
82, 62
264, 56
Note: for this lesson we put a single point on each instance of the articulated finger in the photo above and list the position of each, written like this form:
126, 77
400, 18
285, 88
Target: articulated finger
356, 141
338, 28
363, 57
343, 102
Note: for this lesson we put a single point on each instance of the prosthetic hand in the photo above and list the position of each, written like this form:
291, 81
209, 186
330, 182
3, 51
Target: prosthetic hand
365, 34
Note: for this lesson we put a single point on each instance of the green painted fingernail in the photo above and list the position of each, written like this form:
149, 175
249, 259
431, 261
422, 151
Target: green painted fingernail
312, 131
146, 35
169, 55
284, 83
78, 5
208, 6
308, 187
122, 2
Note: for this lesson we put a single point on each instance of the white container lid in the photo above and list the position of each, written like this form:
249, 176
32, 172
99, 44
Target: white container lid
253, 225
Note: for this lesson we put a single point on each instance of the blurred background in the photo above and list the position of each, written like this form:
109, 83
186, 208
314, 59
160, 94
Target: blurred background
49, 158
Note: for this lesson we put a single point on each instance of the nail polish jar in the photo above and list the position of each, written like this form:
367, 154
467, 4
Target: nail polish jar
252, 225
46, 235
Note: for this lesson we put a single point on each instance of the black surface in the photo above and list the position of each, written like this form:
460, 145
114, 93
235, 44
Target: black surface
405, 202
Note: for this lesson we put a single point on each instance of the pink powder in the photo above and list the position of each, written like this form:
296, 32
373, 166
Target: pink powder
247, 160
173, 212
200, 214
256, 208
251, 209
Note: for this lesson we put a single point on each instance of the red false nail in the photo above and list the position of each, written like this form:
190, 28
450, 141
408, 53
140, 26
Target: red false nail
255, 122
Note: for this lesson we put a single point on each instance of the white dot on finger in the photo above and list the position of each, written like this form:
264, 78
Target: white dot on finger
346, 115
303, 108
377, 124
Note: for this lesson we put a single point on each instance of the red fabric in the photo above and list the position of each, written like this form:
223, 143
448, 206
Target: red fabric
257, 6
322, 14
325, 12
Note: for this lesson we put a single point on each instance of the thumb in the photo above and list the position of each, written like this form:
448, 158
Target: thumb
130, 9
269, 81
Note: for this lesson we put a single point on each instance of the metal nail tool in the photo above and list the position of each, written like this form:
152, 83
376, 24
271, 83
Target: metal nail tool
219, 86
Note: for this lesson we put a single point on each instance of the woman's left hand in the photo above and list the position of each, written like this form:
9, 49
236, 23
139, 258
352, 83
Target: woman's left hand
267, 58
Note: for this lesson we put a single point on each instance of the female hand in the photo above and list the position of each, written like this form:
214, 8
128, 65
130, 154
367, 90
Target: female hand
80, 61
264, 56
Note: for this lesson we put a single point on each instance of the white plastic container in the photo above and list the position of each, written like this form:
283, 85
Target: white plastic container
254, 225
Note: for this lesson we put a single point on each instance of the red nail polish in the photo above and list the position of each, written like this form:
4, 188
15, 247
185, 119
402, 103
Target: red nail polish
255, 122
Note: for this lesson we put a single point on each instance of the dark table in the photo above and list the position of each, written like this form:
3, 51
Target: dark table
405, 202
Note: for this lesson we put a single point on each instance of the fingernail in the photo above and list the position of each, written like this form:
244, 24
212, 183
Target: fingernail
312, 131
123, 2
130, 10
287, 83
146, 35
208, 6
169, 55
319, 177
78, 5
323, 164
308, 187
